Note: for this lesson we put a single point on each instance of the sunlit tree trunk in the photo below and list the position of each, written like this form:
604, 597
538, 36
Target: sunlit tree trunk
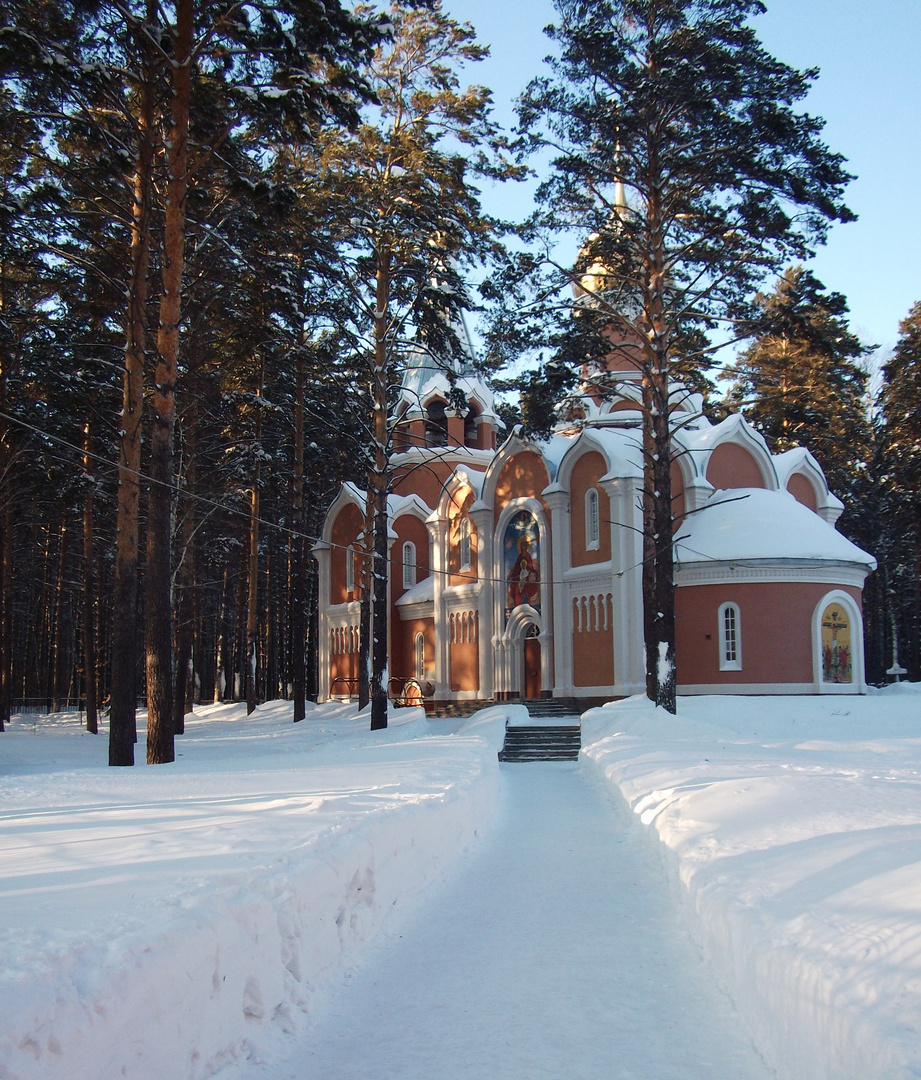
297, 598
89, 588
159, 637
123, 688
377, 494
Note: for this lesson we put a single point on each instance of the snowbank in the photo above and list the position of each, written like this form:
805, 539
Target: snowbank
158, 921
792, 831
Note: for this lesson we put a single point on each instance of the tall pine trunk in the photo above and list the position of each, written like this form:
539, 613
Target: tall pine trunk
89, 588
159, 637
186, 575
6, 605
123, 688
296, 598
222, 666
61, 637
6, 564
252, 599
252, 596
364, 609
659, 607
377, 494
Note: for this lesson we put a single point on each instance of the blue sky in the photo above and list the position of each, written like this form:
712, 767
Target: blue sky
869, 93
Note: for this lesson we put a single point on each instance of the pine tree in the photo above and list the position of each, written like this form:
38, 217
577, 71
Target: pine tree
402, 189
679, 149
801, 381
167, 90
901, 406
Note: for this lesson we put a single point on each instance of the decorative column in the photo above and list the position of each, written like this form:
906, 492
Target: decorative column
482, 519
627, 582
438, 532
321, 552
560, 656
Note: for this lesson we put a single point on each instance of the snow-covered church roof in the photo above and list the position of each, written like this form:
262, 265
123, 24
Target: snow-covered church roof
752, 523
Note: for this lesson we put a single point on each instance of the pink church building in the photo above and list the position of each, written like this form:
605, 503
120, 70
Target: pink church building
515, 566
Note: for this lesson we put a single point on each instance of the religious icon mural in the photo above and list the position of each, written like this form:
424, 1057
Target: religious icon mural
836, 645
521, 560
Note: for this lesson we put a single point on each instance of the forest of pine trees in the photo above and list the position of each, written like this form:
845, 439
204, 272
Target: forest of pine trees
189, 213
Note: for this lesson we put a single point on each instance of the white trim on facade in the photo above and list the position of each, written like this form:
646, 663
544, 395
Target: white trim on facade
744, 689
821, 573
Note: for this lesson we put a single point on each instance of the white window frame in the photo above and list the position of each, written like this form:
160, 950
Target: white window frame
350, 569
464, 545
730, 637
592, 520
409, 564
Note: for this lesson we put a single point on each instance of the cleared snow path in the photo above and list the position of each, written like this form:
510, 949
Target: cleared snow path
553, 951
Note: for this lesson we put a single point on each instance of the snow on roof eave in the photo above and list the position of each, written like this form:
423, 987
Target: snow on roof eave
473, 478
422, 592
761, 525
414, 391
619, 446
766, 562
402, 504
705, 438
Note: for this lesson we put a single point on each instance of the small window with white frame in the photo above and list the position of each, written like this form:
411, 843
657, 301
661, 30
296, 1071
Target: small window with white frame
592, 520
730, 625
350, 569
409, 564
464, 545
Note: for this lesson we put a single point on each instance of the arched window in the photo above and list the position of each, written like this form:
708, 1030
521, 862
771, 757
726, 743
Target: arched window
464, 544
419, 656
436, 424
592, 520
409, 564
730, 637
350, 569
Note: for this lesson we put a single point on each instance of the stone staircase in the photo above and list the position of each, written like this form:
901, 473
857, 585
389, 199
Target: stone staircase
560, 741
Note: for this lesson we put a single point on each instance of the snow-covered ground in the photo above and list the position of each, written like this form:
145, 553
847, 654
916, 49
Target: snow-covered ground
173, 920
791, 828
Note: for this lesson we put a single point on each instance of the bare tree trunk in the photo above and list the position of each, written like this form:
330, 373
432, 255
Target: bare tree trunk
297, 599
364, 610
159, 637
252, 598
184, 621
6, 550
239, 636
123, 689
222, 675
252, 604
89, 588
377, 495
60, 653
659, 617
6, 608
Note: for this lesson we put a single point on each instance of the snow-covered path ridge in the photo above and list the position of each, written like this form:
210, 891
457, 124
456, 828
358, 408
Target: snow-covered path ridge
791, 828
551, 952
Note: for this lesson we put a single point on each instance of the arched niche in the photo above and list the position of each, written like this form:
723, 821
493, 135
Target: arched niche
837, 644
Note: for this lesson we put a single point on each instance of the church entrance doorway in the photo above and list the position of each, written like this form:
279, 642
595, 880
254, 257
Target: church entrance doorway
532, 672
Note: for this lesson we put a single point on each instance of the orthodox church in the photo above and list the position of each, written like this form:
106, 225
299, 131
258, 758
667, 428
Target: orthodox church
515, 566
